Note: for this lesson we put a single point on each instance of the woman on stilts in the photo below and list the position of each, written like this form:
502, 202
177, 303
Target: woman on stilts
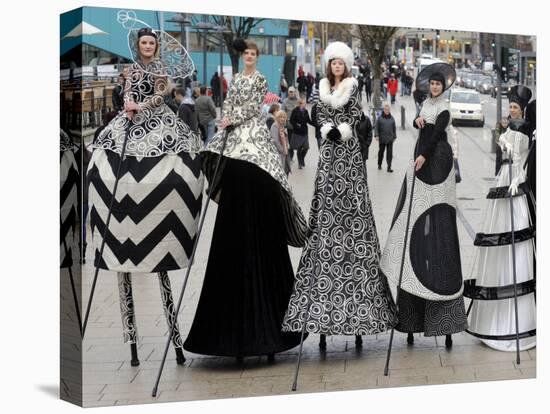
159, 192
428, 274
249, 275
339, 289
492, 317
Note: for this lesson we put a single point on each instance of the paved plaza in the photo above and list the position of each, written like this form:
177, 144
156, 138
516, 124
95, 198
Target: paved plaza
108, 379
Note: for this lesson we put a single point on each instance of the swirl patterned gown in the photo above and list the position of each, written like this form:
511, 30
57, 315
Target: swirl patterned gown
349, 296
158, 200
430, 299
249, 275
492, 317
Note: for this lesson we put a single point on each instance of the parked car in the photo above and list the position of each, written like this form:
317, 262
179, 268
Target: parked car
465, 106
485, 85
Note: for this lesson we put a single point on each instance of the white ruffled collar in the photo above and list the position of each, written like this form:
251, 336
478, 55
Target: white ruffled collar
340, 96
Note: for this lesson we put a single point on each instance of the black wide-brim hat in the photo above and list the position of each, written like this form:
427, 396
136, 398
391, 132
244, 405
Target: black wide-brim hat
520, 94
445, 72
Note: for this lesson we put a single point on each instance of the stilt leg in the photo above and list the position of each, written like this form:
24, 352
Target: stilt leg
170, 314
323, 342
410, 338
129, 328
448, 341
358, 341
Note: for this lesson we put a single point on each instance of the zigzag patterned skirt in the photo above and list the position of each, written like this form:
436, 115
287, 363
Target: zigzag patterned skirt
155, 214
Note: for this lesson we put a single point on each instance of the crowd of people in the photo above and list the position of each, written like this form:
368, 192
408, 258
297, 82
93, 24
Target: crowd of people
252, 302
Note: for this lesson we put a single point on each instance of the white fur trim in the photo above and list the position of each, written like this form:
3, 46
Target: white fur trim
339, 50
340, 96
345, 130
325, 129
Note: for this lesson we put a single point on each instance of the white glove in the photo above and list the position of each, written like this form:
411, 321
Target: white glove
509, 147
513, 189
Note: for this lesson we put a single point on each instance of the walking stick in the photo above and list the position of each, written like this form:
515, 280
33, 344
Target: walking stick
295, 383
73, 288
109, 215
191, 260
510, 196
386, 368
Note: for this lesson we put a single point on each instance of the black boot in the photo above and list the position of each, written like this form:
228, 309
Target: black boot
389, 169
448, 341
358, 341
410, 338
379, 166
135, 360
180, 358
323, 342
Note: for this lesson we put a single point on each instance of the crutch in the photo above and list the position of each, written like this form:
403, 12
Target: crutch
191, 260
386, 368
510, 196
315, 251
109, 215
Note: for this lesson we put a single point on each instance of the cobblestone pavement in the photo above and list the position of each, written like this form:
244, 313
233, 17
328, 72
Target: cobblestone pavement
108, 378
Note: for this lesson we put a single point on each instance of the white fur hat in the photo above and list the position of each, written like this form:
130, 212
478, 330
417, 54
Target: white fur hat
339, 50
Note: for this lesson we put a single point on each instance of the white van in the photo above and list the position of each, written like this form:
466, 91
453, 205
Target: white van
465, 106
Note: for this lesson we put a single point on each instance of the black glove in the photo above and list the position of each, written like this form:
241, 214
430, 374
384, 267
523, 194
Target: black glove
334, 134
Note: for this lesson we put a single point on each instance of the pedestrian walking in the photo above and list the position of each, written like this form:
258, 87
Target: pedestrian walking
215, 88
309, 86
299, 119
302, 85
385, 134
280, 138
283, 87
273, 108
186, 110
249, 275
314, 103
428, 273
364, 133
288, 106
339, 289
368, 86
206, 114
118, 93
392, 87
493, 313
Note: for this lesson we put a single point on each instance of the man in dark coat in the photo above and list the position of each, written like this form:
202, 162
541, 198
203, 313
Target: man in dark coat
186, 109
215, 87
385, 134
364, 133
299, 119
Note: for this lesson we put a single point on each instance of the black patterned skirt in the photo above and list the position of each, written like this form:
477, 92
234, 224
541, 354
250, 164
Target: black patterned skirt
249, 275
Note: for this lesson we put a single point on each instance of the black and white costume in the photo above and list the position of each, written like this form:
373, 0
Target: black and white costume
69, 189
430, 298
492, 316
249, 275
159, 195
349, 295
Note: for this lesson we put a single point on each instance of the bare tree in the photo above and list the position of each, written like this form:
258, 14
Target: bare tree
236, 27
375, 40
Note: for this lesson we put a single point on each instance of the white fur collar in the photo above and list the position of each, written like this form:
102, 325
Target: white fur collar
340, 96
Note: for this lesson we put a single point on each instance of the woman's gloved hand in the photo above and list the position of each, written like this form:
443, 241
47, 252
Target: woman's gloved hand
334, 134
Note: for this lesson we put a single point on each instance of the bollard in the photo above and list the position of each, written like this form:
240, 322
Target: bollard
403, 121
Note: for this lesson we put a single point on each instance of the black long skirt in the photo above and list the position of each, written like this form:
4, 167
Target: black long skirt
249, 275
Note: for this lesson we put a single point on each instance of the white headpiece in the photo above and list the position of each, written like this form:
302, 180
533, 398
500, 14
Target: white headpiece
339, 50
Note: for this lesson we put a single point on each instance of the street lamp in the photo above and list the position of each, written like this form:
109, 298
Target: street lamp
184, 22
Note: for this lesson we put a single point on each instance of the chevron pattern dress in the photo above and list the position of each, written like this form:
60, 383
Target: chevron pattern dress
159, 195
